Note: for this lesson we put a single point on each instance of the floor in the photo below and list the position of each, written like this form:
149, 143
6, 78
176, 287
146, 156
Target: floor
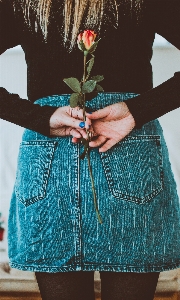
33, 296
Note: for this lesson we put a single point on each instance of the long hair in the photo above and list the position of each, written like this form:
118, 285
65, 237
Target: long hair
74, 11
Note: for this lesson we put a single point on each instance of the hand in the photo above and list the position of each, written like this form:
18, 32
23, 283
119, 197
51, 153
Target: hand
111, 124
67, 121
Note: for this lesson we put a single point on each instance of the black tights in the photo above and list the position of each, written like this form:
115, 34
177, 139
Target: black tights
80, 285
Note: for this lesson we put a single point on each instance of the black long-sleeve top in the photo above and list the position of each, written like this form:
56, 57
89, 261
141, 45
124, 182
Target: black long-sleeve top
123, 56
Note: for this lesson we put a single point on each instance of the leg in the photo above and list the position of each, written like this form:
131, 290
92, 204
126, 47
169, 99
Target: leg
66, 285
128, 286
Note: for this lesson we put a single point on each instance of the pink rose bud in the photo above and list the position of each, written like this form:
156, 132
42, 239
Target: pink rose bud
88, 38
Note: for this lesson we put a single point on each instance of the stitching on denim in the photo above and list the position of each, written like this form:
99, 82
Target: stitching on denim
98, 267
78, 252
105, 157
101, 100
50, 148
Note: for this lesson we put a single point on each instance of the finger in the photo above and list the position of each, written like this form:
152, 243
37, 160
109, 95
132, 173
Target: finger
75, 123
62, 118
75, 133
109, 144
83, 133
98, 141
75, 140
77, 113
101, 113
88, 122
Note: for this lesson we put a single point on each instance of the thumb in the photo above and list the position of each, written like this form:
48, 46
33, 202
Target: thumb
99, 114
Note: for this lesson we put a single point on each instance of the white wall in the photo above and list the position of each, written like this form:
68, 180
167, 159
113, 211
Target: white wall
165, 62
13, 77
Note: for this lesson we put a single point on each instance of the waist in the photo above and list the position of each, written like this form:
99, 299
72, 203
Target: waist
100, 101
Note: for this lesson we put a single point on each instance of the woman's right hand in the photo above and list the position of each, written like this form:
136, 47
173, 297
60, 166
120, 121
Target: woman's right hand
67, 121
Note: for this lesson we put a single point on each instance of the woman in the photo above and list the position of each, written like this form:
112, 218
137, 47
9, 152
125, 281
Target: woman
53, 229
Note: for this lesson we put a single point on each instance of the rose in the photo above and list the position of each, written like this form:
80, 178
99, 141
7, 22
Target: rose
87, 44
86, 39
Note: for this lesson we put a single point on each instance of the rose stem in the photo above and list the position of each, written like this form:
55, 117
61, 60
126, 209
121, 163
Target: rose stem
88, 156
93, 189
84, 80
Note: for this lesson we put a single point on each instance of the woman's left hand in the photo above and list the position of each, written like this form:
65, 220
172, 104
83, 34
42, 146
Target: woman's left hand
111, 124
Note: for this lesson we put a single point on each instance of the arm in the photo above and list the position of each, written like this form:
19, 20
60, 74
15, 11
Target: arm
46, 120
165, 16
12, 108
24, 113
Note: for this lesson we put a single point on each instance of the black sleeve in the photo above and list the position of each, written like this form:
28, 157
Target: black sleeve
8, 33
165, 19
12, 108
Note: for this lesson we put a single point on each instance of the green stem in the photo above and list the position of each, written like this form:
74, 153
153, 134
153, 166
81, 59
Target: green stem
93, 189
88, 156
84, 96
84, 75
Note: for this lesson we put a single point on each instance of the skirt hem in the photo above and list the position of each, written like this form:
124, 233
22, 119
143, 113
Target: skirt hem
103, 267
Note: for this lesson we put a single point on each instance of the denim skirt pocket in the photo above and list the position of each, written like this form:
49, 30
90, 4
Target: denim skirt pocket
34, 164
133, 168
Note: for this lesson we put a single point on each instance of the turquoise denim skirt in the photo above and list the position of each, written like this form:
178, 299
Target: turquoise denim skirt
52, 222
